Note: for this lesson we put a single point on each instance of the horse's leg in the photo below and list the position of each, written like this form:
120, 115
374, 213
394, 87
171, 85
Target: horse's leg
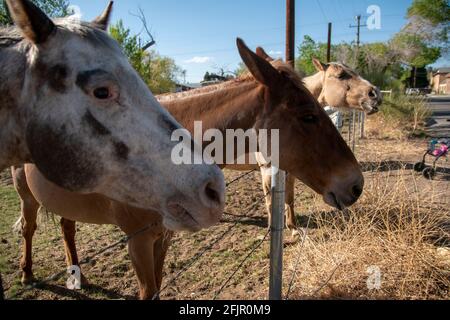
141, 250
69, 231
160, 253
267, 187
29, 207
291, 221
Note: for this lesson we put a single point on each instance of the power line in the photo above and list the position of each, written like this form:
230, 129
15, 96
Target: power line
323, 11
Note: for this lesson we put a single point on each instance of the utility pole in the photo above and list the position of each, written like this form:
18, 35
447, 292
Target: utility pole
358, 34
330, 30
362, 116
290, 32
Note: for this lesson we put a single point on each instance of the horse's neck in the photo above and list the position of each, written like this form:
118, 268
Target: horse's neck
231, 106
315, 84
12, 115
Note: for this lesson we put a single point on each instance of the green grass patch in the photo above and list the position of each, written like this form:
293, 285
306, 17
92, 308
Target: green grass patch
9, 208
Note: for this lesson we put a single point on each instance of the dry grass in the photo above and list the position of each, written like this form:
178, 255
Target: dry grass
400, 226
401, 117
395, 229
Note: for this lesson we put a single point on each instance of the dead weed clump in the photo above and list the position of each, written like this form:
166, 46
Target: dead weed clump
392, 245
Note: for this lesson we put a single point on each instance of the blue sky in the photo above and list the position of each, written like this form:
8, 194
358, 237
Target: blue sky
200, 34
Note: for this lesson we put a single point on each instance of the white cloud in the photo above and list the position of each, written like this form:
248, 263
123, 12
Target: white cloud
275, 53
199, 60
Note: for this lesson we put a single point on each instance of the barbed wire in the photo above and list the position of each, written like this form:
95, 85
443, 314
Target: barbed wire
297, 263
240, 177
57, 276
194, 259
252, 251
202, 252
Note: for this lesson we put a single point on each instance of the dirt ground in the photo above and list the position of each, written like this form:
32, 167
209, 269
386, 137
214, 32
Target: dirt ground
112, 277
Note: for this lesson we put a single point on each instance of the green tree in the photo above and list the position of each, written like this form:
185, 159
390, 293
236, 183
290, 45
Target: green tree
241, 69
435, 11
429, 20
308, 50
413, 50
54, 8
159, 73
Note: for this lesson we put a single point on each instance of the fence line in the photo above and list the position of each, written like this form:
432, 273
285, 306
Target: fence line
297, 263
200, 254
356, 122
187, 267
194, 259
59, 275
387, 92
124, 240
225, 284
240, 177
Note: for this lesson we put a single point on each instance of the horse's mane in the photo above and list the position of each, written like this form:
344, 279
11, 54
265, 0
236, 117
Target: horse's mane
11, 35
281, 66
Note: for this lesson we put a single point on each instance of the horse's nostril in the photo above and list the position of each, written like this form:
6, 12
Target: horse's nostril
357, 191
372, 94
212, 194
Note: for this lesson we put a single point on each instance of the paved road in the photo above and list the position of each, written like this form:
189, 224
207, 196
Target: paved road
438, 125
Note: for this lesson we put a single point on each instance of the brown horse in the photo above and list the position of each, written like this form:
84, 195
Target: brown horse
334, 85
271, 98
71, 103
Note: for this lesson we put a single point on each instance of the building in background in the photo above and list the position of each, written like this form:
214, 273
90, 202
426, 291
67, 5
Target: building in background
182, 87
441, 81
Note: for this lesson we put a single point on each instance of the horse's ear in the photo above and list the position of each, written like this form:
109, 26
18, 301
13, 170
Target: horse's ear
319, 65
102, 21
263, 54
34, 24
259, 67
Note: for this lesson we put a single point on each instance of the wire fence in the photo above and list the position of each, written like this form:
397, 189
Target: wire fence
57, 276
352, 127
354, 121
209, 247
297, 263
195, 258
241, 265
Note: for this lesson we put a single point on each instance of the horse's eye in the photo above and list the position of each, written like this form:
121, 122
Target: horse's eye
102, 93
344, 76
310, 119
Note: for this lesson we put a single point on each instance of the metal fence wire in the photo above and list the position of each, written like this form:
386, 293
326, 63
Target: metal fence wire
209, 247
353, 128
354, 121
57, 276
